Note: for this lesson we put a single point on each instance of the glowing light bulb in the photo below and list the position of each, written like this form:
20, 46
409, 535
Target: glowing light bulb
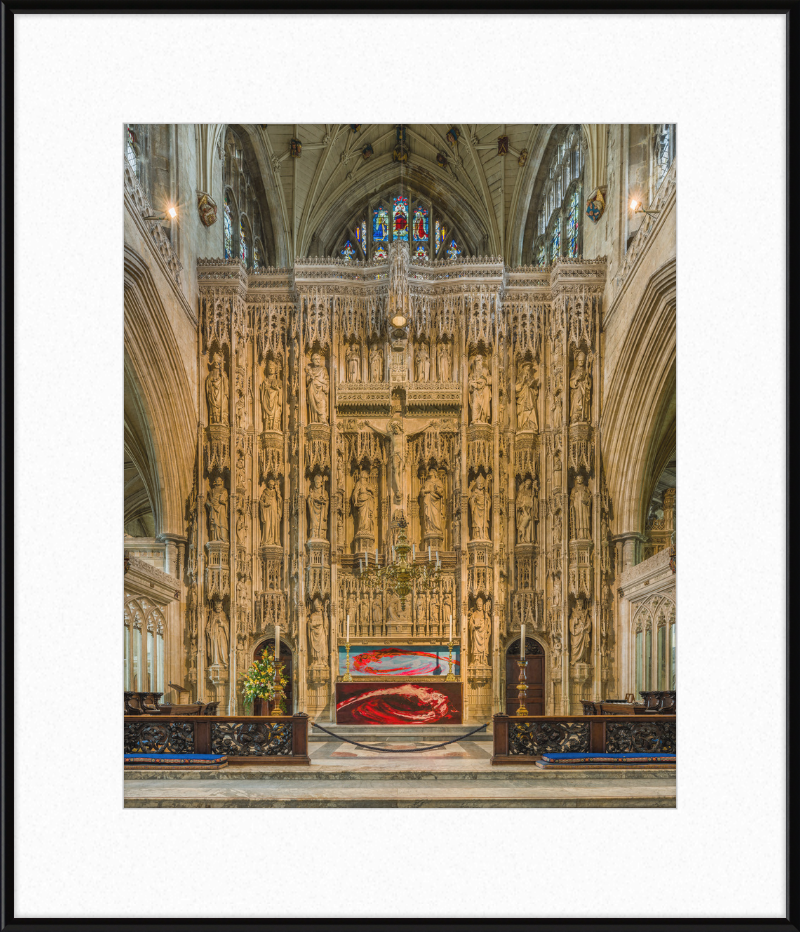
634, 205
172, 212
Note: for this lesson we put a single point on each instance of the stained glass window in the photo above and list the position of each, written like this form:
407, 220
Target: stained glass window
453, 251
242, 241
400, 217
555, 242
440, 235
228, 227
380, 225
665, 149
421, 252
421, 226
256, 256
361, 236
541, 257
573, 224
349, 251
130, 151
380, 251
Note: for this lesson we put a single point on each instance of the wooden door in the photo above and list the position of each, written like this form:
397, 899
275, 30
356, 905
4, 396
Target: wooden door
534, 655
286, 660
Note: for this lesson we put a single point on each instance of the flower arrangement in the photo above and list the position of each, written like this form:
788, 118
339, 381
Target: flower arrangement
265, 680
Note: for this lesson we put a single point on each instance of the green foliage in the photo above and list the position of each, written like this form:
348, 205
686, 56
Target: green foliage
264, 680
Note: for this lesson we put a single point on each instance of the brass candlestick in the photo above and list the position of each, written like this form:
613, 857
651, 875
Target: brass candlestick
450, 678
522, 687
347, 678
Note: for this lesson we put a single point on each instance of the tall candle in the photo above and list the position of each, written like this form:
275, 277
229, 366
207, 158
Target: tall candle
360, 565
451, 627
376, 555
413, 553
347, 635
522, 642
429, 553
277, 642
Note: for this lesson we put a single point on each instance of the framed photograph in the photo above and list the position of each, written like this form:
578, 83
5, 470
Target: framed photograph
371, 433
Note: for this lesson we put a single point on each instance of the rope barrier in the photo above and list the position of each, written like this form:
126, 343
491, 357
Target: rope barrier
432, 747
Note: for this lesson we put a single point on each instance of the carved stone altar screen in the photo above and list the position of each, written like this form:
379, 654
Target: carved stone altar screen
321, 424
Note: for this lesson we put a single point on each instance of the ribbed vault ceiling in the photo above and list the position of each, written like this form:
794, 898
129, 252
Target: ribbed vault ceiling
312, 197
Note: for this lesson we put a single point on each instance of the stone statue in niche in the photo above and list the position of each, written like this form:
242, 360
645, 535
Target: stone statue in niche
240, 469
436, 615
580, 631
557, 528
317, 387
580, 383
445, 362
527, 388
447, 610
363, 614
377, 615
317, 632
351, 609
420, 606
217, 636
525, 513
353, 357
423, 363
581, 503
534, 508
317, 510
270, 509
271, 398
479, 634
241, 525
480, 498
217, 392
362, 501
217, 507
376, 363
431, 505
480, 392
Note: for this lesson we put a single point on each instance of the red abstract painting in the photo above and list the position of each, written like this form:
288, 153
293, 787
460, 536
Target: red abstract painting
398, 704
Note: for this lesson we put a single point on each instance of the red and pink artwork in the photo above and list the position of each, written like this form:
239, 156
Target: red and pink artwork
398, 703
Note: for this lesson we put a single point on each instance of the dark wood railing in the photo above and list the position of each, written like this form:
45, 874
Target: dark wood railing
523, 739
246, 739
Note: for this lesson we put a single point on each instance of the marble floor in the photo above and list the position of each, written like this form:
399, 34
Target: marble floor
341, 775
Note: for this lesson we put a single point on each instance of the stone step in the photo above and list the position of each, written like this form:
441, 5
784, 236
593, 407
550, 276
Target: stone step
364, 770
271, 793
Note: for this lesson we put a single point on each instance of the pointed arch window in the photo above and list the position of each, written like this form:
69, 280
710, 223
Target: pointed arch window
440, 235
560, 202
664, 150
400, 219
555, 242
361, 236
380, 225
257, 252
573, 223
130, 151
243, 244
228, 227
349, 252
453, 250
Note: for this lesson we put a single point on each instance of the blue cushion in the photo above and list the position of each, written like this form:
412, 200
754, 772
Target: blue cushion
175, 758
560, 757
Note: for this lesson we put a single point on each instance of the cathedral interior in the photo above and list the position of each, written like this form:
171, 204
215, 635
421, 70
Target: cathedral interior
340, 339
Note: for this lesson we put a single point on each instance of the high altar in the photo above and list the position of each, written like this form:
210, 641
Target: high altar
341, 399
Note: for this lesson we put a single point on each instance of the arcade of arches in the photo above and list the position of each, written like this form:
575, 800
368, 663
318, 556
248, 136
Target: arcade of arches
333, 332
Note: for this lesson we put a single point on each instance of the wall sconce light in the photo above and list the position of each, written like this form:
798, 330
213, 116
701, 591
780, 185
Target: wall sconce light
172, 214
637, 208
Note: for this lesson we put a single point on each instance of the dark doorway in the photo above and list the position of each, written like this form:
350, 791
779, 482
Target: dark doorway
534, 655
286, 660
